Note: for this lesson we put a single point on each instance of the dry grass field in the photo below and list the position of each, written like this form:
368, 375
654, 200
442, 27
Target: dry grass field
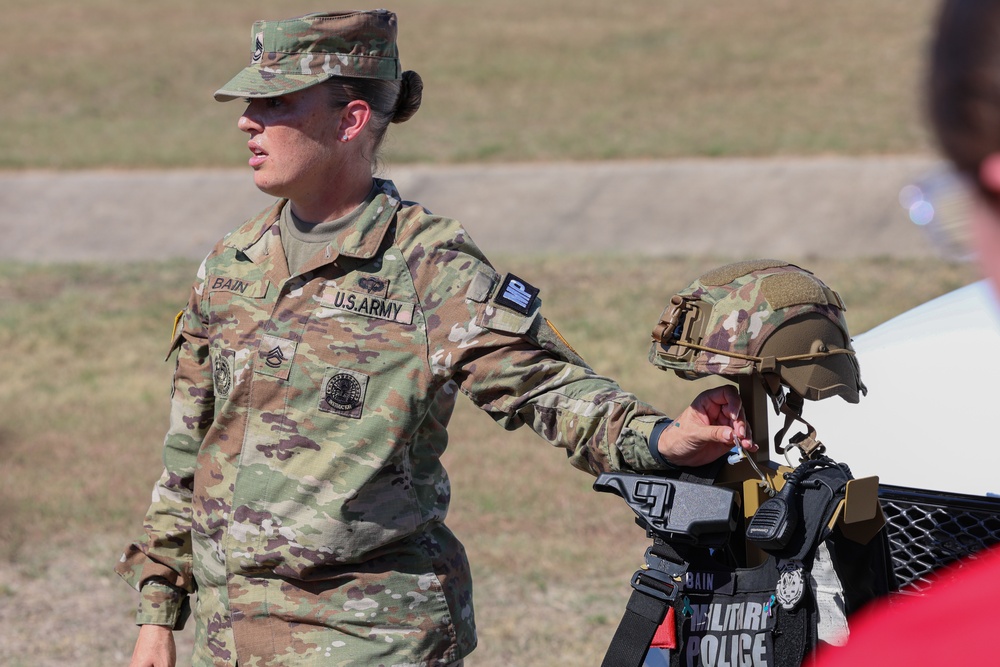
130, 84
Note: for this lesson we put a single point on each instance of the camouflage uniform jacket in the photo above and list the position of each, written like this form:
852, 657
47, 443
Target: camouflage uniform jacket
303, 496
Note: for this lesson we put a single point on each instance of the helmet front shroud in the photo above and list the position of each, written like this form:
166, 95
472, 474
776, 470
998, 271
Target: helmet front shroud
763, 318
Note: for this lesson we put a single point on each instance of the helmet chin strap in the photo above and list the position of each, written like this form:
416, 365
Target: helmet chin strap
790, 404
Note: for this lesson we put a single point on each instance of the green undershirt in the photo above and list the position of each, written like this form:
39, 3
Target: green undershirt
303, 240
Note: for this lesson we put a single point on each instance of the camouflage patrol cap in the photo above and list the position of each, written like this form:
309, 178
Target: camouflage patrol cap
762, 316
292, 54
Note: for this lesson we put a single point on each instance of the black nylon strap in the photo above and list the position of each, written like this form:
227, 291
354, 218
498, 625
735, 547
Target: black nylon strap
643, 615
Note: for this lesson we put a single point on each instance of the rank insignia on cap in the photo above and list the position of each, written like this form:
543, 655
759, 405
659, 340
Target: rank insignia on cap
258, 48
516, 294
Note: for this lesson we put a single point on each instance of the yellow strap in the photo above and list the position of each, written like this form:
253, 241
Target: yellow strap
560, 337
177, 320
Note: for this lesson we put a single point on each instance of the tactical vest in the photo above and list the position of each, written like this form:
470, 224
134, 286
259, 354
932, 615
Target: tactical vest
697, 602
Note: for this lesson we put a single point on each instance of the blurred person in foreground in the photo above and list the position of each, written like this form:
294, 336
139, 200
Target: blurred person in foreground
318, 362
955, 622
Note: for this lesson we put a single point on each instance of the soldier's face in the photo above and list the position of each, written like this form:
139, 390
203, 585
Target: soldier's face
293, 139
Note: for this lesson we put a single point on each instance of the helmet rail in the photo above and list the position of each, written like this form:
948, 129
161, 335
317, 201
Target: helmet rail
764, 319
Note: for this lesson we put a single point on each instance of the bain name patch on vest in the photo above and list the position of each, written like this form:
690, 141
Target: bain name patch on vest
366, 305
516, 294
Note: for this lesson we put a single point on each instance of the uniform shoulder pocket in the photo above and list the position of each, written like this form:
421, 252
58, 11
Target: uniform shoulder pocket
510, 305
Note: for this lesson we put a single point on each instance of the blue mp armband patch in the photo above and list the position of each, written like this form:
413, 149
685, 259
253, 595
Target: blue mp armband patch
516, 294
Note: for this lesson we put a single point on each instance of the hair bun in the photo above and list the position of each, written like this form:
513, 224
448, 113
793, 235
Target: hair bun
410, 93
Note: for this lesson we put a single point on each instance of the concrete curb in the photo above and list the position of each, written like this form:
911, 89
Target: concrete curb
799, 207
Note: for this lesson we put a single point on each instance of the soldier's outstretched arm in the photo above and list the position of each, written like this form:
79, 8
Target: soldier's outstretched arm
706, 429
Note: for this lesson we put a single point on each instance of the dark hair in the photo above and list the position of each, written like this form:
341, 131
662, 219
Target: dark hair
964, 82
390, 101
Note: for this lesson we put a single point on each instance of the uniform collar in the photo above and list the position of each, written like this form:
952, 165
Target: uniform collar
256, 238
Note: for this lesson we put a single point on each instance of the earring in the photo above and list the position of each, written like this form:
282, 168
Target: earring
345, 138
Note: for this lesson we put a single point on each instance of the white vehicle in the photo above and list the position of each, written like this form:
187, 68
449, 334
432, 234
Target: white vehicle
927, 421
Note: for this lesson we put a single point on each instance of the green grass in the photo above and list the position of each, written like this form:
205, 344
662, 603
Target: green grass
105, 83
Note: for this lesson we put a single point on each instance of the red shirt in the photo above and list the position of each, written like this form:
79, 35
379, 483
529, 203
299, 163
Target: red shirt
957, 622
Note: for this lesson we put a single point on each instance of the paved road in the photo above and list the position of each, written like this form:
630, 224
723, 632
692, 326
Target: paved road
827, 207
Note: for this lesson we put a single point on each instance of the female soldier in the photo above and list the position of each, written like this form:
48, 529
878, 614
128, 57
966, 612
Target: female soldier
318, 362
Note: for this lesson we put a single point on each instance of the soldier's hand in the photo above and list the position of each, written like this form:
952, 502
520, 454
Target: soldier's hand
706, 429
154, 648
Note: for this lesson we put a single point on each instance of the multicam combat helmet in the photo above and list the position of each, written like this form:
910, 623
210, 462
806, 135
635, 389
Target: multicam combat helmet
763, 317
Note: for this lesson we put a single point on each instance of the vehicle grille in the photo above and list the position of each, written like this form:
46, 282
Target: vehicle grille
930, 529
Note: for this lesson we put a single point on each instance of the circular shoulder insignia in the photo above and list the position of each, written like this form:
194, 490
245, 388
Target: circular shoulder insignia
223, 376
343, 392
791, 586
